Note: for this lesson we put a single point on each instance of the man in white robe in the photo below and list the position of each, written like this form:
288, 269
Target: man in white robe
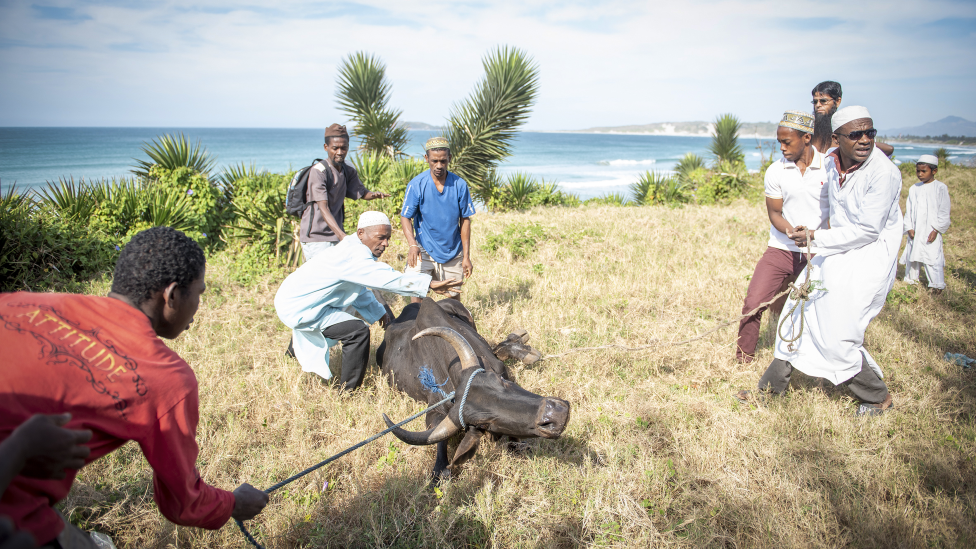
926, 219
854, 268
315, 300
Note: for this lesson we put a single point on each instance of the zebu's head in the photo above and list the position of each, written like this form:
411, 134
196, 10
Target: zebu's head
493, 404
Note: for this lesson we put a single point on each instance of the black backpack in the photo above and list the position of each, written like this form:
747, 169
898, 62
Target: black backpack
296, 199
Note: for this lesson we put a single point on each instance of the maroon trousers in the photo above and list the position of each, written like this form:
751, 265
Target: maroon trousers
775, 270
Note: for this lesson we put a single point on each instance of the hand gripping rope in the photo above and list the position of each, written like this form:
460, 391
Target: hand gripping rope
289, 480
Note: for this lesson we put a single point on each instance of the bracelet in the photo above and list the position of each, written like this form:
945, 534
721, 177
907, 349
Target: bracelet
414, 246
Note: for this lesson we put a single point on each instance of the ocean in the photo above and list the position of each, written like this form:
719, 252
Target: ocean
585, 164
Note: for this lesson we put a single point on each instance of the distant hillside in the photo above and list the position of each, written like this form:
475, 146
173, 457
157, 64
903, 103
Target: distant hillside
697, 128
422, 126
950, 125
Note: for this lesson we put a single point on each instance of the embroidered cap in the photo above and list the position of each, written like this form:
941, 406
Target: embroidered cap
847, 114
797, 120
371, 218
437, 143
928, 159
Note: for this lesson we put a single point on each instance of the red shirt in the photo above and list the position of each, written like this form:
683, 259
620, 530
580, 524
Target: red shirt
100, 359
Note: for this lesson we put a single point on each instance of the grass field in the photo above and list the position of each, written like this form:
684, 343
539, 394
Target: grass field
657, 451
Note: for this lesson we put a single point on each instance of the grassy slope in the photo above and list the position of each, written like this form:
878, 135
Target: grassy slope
656, 452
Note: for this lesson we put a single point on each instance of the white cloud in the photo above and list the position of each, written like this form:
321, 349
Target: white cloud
608, 63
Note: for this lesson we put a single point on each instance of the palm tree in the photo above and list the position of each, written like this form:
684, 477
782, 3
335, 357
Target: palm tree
688, 163
943, 155
364, 94
725, 143
174, 151
482, 127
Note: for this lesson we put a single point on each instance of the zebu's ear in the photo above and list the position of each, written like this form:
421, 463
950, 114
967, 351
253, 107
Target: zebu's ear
461, 345
467, 448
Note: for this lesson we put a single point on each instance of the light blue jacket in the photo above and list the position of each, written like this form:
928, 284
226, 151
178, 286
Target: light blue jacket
321, 292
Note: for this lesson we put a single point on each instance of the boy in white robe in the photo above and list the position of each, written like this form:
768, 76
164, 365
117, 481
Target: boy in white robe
926, 219
854, 269
314, 300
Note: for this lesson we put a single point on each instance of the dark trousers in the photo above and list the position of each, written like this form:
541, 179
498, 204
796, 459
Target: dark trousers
774, 271
866, 385
354, 336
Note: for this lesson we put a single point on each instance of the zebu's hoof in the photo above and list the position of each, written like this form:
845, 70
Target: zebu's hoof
521, 334
515, 347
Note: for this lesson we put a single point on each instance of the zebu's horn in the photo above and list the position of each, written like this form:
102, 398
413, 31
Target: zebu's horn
461, 345
442, 431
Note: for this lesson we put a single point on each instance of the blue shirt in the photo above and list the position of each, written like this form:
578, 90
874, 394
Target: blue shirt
437, 216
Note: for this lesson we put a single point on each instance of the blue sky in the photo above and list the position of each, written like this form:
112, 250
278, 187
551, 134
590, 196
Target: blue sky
232, 64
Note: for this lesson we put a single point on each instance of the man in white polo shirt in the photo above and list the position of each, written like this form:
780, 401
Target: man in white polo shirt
795, 196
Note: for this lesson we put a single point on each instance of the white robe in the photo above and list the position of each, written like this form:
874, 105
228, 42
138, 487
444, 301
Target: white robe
318, 293
856, 263
927, 208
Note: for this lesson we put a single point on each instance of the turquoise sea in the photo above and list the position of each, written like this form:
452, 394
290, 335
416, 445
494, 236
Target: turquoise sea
586, 164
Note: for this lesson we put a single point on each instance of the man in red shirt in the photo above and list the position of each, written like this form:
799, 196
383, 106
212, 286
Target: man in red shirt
99, 358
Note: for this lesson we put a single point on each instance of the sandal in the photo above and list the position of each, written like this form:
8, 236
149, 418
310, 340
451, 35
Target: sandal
867, 409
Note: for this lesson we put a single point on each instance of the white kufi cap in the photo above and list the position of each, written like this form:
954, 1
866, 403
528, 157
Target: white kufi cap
845, 115
928, 159
370, 219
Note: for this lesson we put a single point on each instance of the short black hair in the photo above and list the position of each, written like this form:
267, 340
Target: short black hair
331, 137
154, 259
933, 166
829, 87
438, 149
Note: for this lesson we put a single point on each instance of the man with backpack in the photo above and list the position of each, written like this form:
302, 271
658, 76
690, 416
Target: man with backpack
330, 182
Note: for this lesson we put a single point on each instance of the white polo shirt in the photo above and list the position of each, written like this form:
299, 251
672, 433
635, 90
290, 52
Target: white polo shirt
805, 197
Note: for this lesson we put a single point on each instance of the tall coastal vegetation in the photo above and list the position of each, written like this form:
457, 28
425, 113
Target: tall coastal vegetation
72, 230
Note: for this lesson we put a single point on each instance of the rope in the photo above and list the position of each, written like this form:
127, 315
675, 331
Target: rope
801, 294
289, 480
464, 397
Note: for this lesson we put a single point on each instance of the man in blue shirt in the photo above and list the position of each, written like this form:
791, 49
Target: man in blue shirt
439, 204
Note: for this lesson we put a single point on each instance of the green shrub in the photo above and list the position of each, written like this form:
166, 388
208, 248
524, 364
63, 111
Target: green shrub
260, 222
208, 206
609, 199
40, 252
726, 183
518, 238
654, 188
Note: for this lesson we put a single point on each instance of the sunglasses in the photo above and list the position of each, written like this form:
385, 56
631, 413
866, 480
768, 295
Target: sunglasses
822, 101
856, 136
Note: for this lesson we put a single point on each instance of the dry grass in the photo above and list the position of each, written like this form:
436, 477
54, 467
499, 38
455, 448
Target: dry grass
656, 453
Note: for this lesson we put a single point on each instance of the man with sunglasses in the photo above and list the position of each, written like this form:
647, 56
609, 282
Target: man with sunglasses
827, 97
852, 271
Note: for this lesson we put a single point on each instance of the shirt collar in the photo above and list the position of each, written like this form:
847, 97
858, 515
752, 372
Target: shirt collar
844, 173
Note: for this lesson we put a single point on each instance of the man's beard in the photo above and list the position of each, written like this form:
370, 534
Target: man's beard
821, 123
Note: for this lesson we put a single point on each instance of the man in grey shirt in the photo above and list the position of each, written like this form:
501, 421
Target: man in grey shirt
330, 182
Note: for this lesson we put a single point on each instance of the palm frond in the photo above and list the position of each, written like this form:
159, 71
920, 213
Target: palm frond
70, 200
231, 174
13, 202
371, 167
482, 127
518, 190
688, 163
167, 208
725, 142
943, 155
171, 152
642, 190
487, 190
363, 93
